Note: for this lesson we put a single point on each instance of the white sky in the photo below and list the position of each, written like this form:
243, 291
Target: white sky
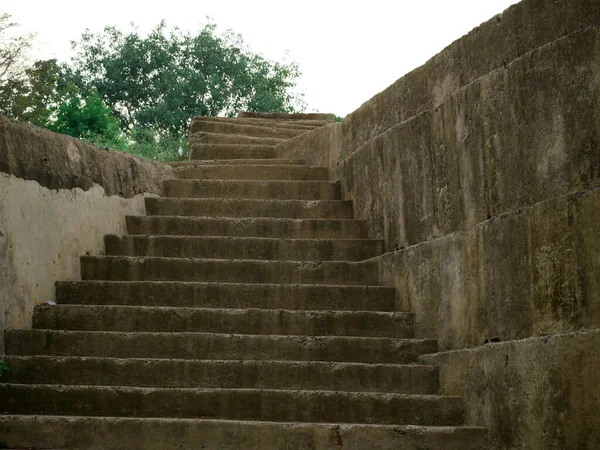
347, 50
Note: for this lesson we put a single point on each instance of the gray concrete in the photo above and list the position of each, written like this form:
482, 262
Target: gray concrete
248, 208
252, 172
224, 247
534, 393
535, 271
247, 227
227, 295
242, 321
214, 346
128, 268
185, 373
103, 433
240, 189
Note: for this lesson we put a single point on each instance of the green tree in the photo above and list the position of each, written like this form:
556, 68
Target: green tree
13, 58
89, 118
41, 93
162, 80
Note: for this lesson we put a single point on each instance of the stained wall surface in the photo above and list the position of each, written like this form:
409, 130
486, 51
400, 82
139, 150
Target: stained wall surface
58, 198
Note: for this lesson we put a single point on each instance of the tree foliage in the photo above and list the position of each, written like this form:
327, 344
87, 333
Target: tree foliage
13, 53
164, 79
139, 92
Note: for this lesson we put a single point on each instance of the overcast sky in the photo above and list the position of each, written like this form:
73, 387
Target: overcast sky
347, 50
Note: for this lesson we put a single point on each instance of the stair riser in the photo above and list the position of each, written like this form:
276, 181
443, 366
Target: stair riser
223, 374
305, 125
243, 248
265, 190
212, 346
292, 117
239, 172
232, 139
160, 434
214, 151
238, 271
253, 321
243, 162
291, 297
239, 129
249, 208
290, 228
286, 406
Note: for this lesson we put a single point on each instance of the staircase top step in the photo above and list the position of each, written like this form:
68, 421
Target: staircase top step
284, 116
229, 162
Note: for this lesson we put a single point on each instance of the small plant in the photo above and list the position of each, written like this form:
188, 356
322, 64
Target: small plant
3, 367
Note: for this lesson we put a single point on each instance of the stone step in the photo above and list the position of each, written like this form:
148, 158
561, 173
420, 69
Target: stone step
212, 320
252, 172
199, 151
248, 162
217, 247
240, 129
232, 404
247, 227
285, 116
249, 208
306, 125
240, 189
227, 295
127, 268
236, 139
215, 346
117, 433
182, 373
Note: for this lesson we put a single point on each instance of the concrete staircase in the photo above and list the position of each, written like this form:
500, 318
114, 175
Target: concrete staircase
241, 313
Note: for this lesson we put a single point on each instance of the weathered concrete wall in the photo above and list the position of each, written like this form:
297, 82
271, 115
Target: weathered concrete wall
535, 271
58, 198
538, 393
516, 136
481, 172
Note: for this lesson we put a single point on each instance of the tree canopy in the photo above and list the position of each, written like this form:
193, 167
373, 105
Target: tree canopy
142, 87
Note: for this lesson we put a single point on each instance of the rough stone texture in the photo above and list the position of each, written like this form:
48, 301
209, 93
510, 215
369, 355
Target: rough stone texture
57, 161
101, 433
186, 373
213, 346
490, 148
538, 393
532, 272
228, 295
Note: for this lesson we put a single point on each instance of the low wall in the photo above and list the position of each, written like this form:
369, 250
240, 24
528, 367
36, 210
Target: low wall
532, 394
58, 198
480, 170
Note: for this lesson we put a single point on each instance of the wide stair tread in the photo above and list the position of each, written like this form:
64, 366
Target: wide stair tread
253, 189
220, 320
134, 268
220, 403
227, 295
250, 208
246, 227
222, 247
252, 172
202, 374
197, 345
116, 433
